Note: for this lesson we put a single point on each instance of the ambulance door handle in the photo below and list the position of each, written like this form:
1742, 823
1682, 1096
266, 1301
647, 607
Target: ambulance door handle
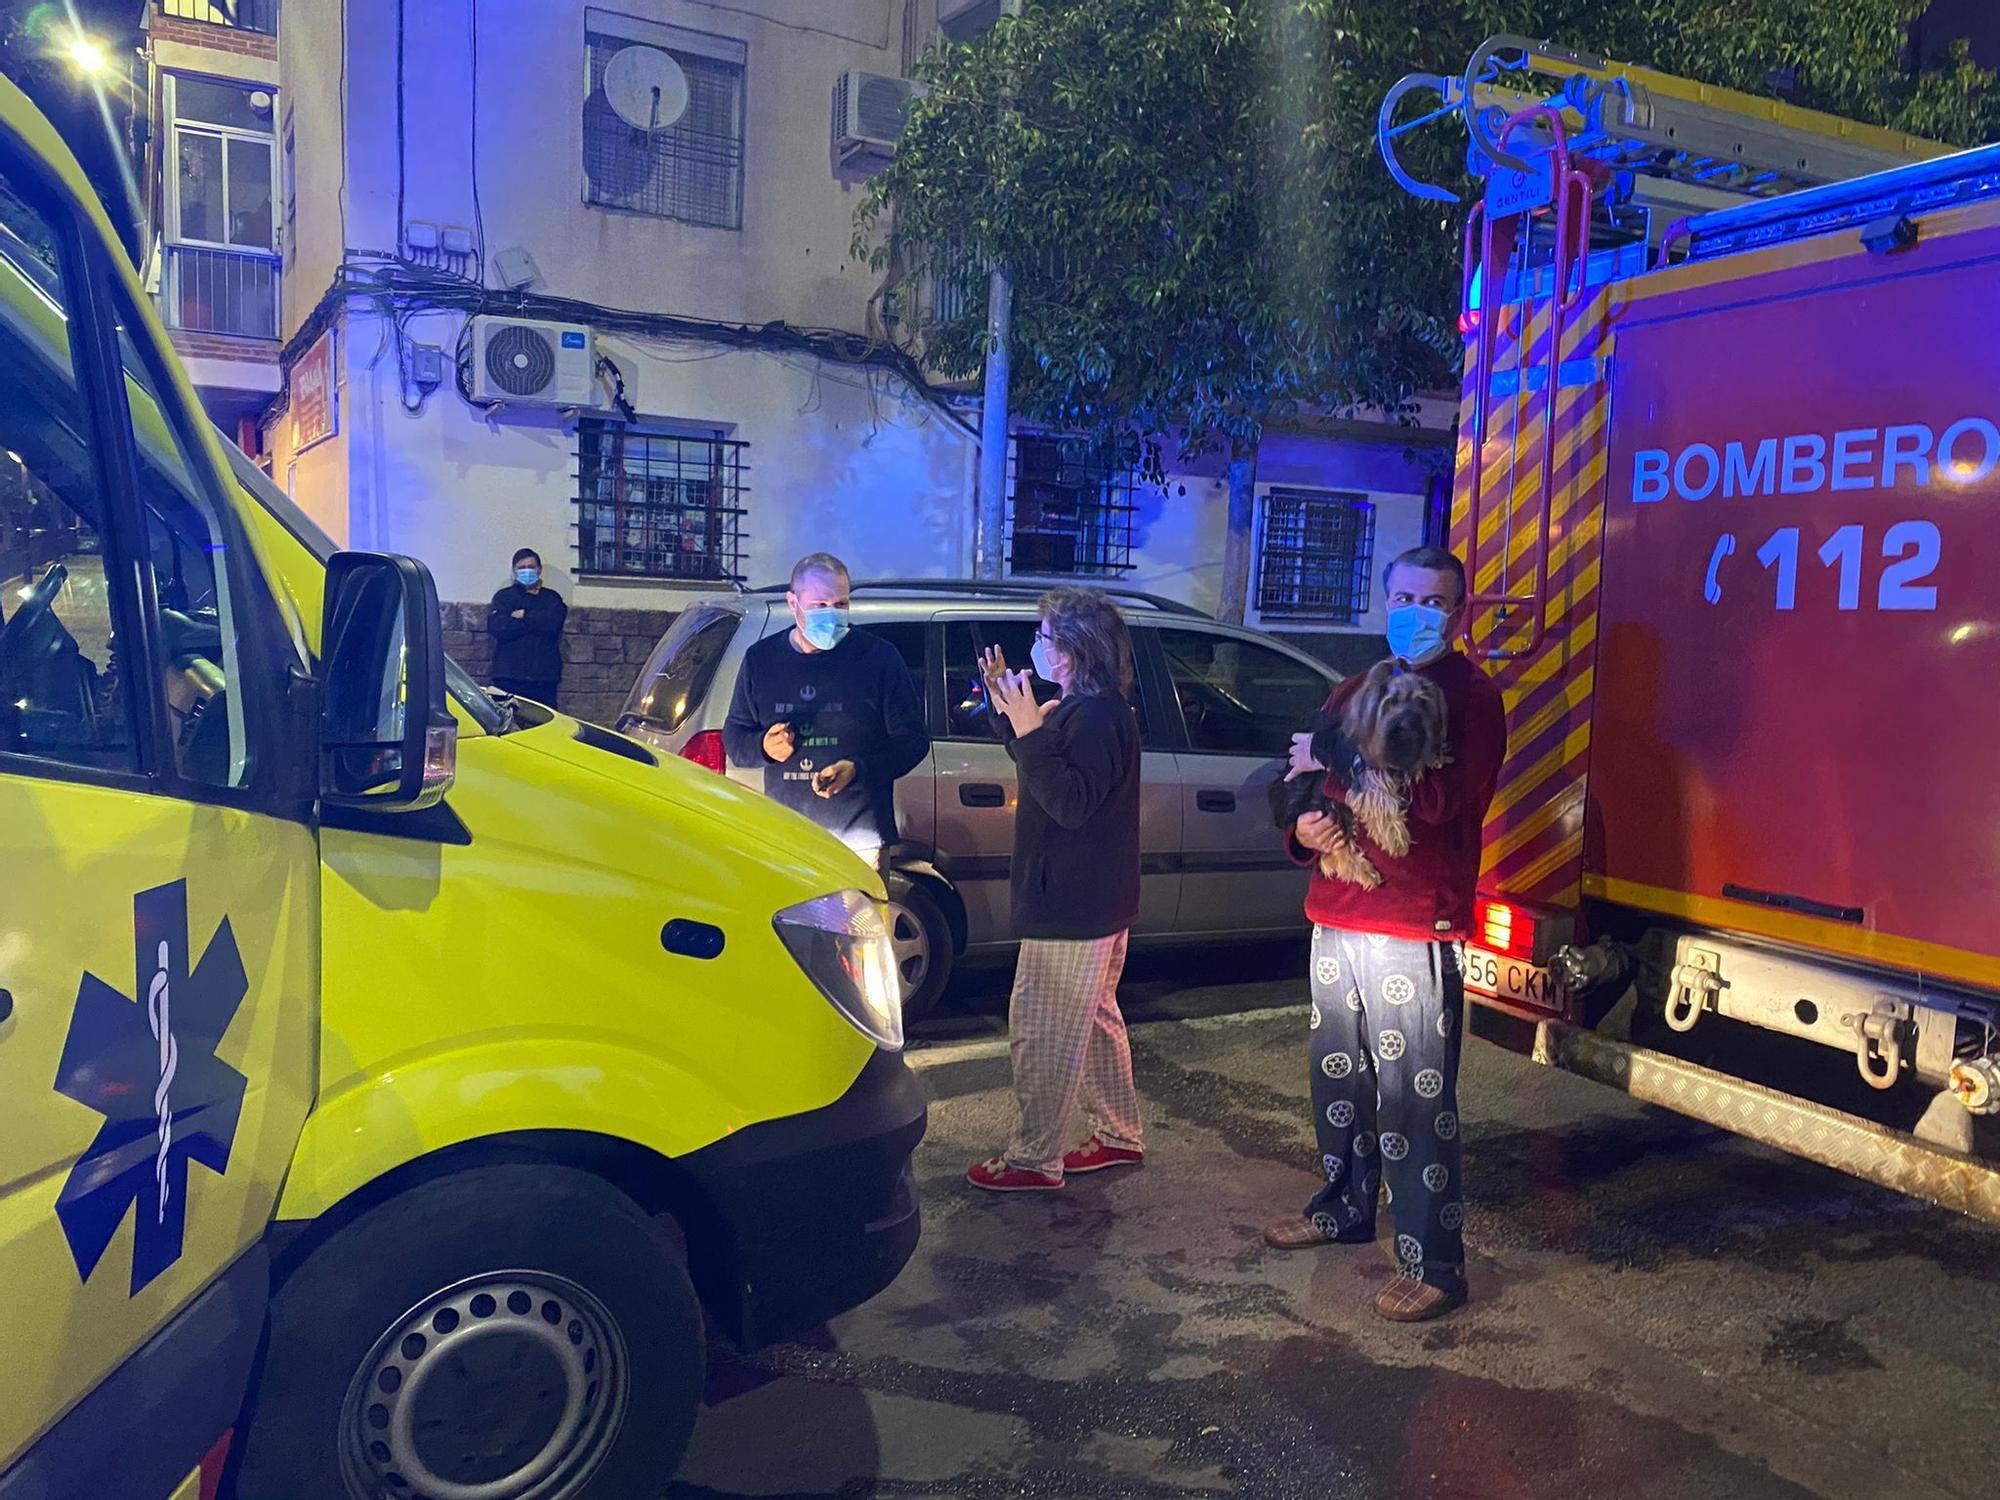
6, 1004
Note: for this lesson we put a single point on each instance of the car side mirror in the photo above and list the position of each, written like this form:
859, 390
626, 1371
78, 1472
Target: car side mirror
387, 738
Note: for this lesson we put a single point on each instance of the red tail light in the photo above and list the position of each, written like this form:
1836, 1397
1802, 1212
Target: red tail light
1504, 929
705, 749
1468, 322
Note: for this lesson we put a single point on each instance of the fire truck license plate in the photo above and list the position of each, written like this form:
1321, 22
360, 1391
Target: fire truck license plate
1508, 979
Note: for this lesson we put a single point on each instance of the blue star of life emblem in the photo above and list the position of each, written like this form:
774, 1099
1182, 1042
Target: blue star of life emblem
148, 1065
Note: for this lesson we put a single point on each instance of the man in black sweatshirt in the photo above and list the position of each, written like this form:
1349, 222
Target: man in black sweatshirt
526, 622
831, 715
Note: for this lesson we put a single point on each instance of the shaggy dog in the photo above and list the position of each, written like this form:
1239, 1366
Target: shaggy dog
1389, 733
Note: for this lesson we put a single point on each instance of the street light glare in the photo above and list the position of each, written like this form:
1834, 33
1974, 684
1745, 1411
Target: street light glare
87, 56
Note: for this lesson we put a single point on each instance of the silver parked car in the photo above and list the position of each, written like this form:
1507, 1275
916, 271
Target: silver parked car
1217, 706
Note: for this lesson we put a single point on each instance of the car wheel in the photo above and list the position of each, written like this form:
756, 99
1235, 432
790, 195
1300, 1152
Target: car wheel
921, 935
505, 1333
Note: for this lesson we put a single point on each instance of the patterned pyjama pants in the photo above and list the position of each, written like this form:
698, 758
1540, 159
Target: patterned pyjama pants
1385, 1042
1069, 1048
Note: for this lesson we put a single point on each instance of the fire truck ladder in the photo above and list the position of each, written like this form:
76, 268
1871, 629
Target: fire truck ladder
1605, 134
1688, 145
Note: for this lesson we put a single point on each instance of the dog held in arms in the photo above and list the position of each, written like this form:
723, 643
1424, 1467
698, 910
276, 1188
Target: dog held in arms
1389, 732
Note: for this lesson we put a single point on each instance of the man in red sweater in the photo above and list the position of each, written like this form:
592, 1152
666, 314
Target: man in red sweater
1387, 984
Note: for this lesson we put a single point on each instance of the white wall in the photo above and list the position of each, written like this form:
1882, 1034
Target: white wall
1180, 530
789, 261
836, 460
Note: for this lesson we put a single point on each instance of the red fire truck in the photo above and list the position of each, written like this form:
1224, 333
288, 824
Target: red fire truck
1728, 485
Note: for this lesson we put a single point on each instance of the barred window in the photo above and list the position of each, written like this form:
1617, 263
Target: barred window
690, 169
655, 504
1069, 507
1317, 553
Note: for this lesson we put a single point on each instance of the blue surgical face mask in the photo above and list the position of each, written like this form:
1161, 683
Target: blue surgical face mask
527, 577
1417, 633
825, 627
1039, 655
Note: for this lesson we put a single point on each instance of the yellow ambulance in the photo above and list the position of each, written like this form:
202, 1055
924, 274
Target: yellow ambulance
393, 1084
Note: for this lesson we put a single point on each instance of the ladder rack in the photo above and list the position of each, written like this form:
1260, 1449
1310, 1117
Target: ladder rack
1663, 143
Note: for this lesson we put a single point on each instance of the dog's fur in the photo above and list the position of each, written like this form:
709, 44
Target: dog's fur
1389, 733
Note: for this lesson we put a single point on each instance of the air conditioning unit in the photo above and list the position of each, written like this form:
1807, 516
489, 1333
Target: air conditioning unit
869, 112
962, 20
520, 362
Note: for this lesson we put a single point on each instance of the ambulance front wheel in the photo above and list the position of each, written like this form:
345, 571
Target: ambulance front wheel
505, 1332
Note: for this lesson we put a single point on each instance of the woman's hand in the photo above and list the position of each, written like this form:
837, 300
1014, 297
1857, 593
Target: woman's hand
992, 667
1014, 695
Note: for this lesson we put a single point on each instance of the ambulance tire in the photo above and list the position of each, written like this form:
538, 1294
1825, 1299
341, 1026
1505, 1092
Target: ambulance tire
575, 1270
924, 944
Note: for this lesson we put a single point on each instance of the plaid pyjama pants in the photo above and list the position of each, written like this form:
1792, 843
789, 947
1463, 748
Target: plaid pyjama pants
1385, 1020
1069, 1048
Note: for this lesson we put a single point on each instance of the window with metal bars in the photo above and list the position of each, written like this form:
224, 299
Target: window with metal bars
1069, 507
1317, 552
691, 169
654, 504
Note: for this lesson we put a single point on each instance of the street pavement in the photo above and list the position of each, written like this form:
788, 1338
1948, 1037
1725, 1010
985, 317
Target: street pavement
1658, 1309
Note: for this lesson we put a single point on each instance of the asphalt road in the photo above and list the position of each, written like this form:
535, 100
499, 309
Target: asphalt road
1659, 1309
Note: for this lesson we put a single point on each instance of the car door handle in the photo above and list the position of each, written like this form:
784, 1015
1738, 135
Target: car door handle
982, 794
1210, 800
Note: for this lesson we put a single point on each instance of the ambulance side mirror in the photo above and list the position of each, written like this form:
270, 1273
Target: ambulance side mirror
387, 738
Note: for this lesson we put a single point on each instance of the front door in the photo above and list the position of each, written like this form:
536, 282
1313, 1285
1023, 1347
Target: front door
1241, 702
156, 937
976, 789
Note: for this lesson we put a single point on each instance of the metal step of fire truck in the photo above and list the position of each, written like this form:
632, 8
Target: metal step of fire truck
1669, 147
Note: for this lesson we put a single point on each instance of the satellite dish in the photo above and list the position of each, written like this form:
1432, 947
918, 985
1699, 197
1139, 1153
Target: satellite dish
646, 87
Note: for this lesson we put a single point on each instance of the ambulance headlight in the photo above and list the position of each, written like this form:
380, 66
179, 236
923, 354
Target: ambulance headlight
842, 942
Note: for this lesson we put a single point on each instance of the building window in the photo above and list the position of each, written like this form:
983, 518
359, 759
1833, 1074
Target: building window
221, 241
1069, 507
688, 168
658, 504
1317, 552
239, 15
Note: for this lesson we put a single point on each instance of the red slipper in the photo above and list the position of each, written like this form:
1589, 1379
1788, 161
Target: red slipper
1094, 1156
997, 1175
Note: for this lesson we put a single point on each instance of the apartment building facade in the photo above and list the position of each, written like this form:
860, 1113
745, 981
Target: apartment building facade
578, 276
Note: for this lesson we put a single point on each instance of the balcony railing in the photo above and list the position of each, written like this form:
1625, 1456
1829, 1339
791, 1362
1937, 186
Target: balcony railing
241, 15
221, 291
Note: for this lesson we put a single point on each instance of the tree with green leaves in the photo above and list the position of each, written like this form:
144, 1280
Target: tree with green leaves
1203, 239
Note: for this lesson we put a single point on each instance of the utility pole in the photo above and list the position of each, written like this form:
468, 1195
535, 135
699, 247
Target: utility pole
990, 520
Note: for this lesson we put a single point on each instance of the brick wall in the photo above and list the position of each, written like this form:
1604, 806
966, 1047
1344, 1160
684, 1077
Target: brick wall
168, 28
603, 650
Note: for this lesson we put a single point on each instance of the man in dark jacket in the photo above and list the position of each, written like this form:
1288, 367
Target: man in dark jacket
526, 622
830, 714
1076, 894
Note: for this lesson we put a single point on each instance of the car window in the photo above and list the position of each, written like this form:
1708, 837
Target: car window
907, 636
1238, 697
64, 693
675, 682
965, 694
198, 631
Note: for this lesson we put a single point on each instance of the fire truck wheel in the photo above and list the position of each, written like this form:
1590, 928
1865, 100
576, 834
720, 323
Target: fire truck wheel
507, 1332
